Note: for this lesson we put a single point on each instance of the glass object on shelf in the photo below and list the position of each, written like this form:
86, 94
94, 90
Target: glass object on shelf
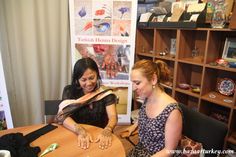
195, 52
218, 17
165, 52
143, 49
173, 46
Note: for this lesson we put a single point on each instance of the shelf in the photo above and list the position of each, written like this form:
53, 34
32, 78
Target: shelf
190, 40
219, 99
210, 85
145, 39
208, 44
188, 100
145, 54
188, 92
166, 57
189, 74
221, 68
191, 61
215, 111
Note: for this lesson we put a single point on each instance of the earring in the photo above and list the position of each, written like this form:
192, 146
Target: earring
153, 86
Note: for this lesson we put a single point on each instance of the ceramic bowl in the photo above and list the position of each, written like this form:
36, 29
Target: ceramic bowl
195, 88
184, 86
232, 64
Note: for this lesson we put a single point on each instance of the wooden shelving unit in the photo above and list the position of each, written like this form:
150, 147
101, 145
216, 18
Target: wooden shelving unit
193, 70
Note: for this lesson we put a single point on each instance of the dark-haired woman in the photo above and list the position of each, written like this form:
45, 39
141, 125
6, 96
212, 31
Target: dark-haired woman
100, 112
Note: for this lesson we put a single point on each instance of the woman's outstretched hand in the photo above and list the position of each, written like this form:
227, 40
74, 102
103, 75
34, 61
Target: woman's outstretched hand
84, 138
104, 138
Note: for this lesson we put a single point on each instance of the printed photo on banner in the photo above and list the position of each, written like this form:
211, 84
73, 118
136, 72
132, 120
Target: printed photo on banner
102, 18
113, 60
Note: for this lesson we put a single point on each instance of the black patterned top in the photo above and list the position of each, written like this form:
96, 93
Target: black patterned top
152, 130
94, 113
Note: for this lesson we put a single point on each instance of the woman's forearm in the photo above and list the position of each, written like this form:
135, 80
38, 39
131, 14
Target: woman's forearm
70, 124
112, 122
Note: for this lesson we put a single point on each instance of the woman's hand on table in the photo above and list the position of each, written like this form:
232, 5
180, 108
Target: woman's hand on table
104, 138
84, 138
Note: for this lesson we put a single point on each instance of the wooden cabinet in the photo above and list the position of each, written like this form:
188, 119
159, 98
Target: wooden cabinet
193, 68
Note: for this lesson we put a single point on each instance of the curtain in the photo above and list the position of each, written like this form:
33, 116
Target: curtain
35, 46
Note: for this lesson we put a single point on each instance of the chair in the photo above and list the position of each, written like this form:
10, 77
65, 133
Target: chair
201, 128
51, 108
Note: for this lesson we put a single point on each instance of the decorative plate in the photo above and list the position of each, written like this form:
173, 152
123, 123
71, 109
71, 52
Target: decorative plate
226, 86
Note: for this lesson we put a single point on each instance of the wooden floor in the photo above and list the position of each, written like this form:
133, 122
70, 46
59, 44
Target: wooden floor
127, 145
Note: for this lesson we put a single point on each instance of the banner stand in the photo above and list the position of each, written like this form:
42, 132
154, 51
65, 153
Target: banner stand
5, 111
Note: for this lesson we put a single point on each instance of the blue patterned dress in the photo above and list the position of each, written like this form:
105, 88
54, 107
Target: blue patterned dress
151, 132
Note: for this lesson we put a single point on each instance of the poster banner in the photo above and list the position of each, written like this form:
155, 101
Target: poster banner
105, 31
5, 112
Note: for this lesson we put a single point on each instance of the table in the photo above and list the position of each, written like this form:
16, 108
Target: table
67, 142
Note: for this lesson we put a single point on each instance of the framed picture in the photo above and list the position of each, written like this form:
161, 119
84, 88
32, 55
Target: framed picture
229, 52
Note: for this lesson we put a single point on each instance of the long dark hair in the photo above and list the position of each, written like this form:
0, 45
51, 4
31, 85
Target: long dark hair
79, 68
